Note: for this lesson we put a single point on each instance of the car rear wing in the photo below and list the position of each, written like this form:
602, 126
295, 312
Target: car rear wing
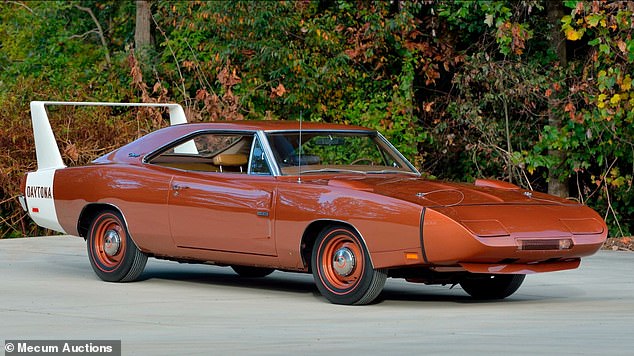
46, 149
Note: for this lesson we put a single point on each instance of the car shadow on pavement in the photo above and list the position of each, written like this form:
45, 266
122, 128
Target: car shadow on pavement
278, 281
303, 284
440, 294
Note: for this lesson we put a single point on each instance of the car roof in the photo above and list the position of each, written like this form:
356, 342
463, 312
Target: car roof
134, 151
270, 125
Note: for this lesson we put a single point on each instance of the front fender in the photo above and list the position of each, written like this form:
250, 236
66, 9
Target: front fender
388, 226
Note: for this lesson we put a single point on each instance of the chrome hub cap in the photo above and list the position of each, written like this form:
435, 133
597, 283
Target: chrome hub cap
111, 242
343, 261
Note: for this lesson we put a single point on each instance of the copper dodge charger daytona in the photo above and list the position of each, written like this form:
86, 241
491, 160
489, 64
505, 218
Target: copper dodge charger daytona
336, 201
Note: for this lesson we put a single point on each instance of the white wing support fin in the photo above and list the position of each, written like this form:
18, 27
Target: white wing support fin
40, 193
46, 150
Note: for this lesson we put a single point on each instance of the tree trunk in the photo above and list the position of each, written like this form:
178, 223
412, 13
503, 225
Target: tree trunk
558, 44
142, 32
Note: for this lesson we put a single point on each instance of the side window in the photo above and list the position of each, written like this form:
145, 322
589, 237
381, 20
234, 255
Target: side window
209, 152
259, 165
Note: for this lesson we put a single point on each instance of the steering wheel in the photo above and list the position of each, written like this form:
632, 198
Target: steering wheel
363, 159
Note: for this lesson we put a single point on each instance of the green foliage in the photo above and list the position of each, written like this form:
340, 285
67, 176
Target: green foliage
602, 128
464, 89
344, 150
509, 23
340, 64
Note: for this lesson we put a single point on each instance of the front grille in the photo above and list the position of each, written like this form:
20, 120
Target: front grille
545, 244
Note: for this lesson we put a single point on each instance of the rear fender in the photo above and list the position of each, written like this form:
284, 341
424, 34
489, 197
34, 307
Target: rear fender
39, 195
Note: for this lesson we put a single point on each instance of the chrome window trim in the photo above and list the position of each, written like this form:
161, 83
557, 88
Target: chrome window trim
264, 141
382, 138
270, 158
321, 130
150, 155
250, 161
398, 153
256, 138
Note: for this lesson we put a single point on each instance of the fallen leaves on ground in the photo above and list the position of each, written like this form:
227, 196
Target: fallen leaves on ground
619, 244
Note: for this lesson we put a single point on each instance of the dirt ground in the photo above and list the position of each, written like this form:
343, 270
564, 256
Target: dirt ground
619, 244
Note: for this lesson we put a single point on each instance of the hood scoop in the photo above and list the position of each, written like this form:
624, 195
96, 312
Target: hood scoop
494, 183
351, 184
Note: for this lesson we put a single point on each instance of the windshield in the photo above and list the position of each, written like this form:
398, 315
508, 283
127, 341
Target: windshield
359, 152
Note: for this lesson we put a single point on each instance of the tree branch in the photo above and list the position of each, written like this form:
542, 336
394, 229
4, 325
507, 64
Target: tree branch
82, 36
99, 31
19, 4
180, 73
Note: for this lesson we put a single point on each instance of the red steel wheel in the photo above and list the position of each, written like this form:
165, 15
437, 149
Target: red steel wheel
342, 268
113, 255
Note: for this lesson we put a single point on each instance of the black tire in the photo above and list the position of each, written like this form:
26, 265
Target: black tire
492, 286
113, 255
252, 272
350, 279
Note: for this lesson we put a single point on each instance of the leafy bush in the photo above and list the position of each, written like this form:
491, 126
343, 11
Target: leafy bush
463, 89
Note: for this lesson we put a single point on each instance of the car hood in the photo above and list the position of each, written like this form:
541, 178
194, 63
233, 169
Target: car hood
510, 210
446, 194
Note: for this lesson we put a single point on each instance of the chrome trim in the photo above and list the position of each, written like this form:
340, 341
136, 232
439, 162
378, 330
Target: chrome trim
257, 137
398, 153
381, 138
365, 131
188, 136
422, 235
22, 201
250, 160
262, 135
264, 141
111, 243
343, 261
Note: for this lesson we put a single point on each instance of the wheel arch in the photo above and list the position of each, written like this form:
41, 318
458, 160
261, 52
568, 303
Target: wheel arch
312, 232
88, 214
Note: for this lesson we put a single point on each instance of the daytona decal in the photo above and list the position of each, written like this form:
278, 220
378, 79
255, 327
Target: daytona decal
39, 192
40, 198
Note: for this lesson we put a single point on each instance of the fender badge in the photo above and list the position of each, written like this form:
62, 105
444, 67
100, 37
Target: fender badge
528, 194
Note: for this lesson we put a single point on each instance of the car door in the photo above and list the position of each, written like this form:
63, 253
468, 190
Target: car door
229, 208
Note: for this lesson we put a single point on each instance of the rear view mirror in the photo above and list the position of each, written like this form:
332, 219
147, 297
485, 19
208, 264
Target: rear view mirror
329, 141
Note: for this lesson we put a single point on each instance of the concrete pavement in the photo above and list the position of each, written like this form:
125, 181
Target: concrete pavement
49, 291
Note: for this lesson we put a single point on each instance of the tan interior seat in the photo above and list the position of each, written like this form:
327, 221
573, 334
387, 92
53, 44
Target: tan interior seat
230, 160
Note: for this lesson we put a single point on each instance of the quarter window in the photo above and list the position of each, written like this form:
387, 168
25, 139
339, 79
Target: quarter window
209, 152
259, 164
